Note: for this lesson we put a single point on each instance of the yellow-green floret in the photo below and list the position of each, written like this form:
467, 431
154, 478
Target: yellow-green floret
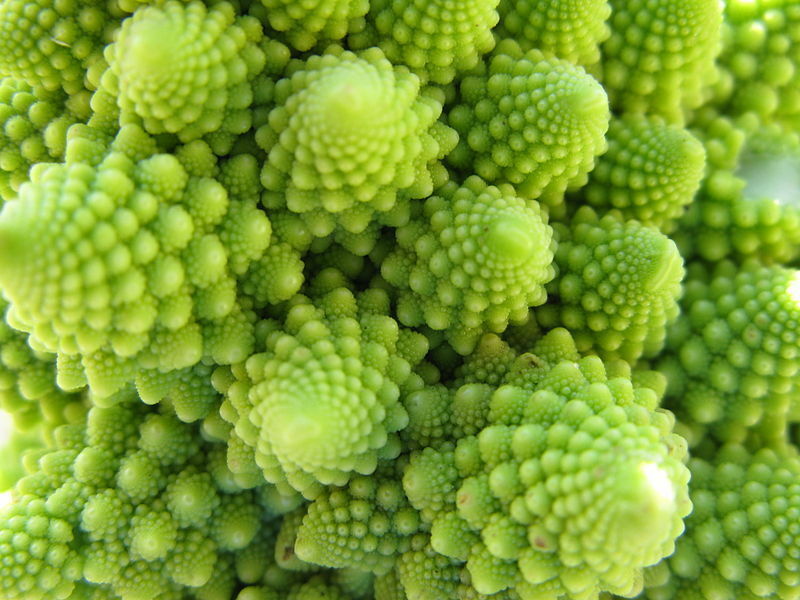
305, 24
732, 359
472, 258
351, 137
130, 263
436, 39
320, 401
574, 484
185, 69
126, 501
617, 287
569, 29
741, 540
659, 59
651, 171
531, 120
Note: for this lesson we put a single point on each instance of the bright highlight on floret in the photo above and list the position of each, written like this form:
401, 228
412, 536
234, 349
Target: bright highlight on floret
537, 501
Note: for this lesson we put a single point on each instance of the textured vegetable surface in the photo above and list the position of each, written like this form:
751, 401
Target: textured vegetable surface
399, 299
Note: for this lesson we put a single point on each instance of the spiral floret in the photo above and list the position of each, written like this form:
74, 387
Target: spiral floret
761, 51
366, 525
660, 56
351, 137
731, 358
184, 69
437, 39
536, 503
33, 128
741, 540
306, 24
533, 121
321, 402
474, 258
618, 286
129, 264
52, 44
124, 503
572, 30
651, 171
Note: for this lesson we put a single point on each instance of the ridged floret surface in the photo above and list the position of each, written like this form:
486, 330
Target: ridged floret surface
650, 172
437, 39
351, 137
731, 357
126, 503
185, 69
321, 401
741, 540
572, 29
474, 257
659, 59
129, 264
531, 120
535, 503
617, 288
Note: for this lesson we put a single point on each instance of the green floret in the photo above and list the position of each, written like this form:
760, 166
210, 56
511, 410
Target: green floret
33, 128
731, 359
437, 39
530, 120
659, 59
51, 44
537, 504
741, 540
305, 24
350, 140
472, 258
364, 526
148, 261
28, 390
572, 30
170, 78
749, 203
761, 51
618, 286
651, 171
125, 503
320, 402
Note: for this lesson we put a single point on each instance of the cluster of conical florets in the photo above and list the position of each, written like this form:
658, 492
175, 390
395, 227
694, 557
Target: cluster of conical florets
400, 299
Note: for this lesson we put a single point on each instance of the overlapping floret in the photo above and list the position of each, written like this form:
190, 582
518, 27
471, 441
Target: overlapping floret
537, 501
303, 299
130, 263
531, 120
127, 502
617, 287
320, 400
473, 258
